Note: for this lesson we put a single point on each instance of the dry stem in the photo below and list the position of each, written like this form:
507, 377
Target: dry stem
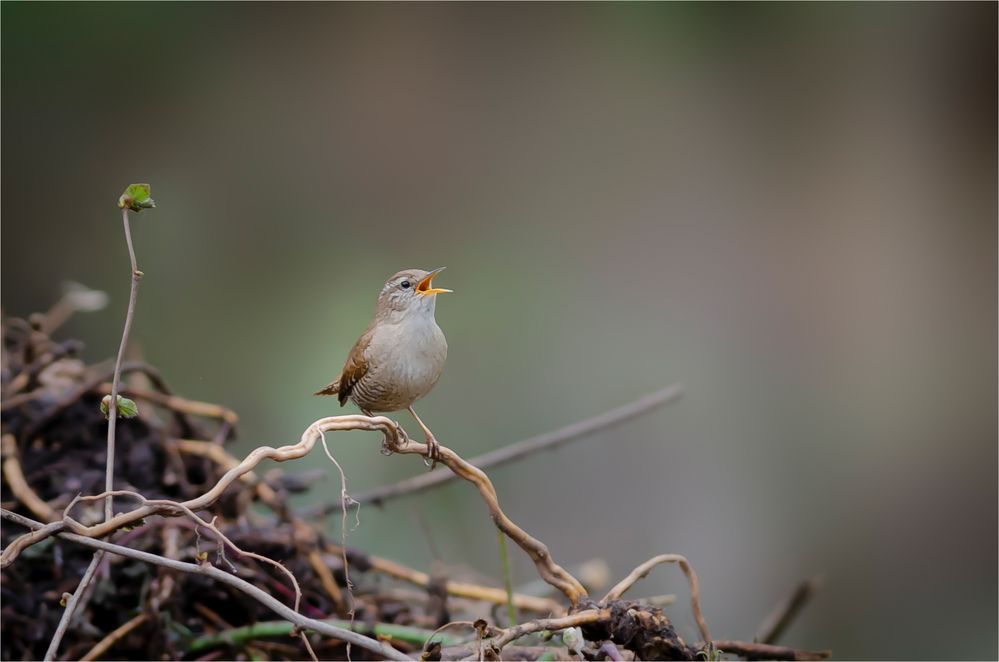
114, 636
782, 615
327, 580
71, 604
19, 486
460, 589
756, 651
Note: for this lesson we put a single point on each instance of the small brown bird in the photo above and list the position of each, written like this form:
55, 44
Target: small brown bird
400, 356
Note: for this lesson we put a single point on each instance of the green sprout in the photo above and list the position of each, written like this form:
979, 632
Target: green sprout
126, 408
136, 197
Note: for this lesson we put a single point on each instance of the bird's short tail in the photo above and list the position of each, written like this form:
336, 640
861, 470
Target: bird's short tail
332, 389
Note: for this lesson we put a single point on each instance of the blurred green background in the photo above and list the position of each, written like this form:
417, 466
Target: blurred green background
791, 208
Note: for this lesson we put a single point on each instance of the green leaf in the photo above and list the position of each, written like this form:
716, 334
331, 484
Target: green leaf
136, 197
126, 408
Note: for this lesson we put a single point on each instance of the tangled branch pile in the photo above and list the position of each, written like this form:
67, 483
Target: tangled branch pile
180, 497
54, 449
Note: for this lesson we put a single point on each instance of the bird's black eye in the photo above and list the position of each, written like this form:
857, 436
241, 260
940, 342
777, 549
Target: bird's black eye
405, 284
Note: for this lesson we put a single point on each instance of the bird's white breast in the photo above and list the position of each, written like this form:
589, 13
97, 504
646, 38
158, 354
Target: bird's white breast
405, 361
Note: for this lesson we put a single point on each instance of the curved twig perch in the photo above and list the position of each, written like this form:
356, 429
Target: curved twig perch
395, 439
550, 571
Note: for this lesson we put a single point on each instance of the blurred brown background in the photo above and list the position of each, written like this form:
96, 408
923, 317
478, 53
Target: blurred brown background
791, 208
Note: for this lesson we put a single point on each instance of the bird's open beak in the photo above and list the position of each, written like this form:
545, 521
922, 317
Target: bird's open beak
424, 286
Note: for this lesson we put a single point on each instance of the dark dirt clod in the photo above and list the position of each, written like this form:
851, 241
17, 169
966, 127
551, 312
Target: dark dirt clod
642, 629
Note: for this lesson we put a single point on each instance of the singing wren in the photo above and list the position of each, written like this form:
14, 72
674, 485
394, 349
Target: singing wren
400, 356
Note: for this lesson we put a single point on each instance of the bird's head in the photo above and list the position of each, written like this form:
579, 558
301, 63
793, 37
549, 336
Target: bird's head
410, 291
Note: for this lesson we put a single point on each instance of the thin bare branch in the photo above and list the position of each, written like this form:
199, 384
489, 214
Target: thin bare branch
282, 610
114, 636
774, 625
14, 474
751, 650
645, 568
520, 449
327, 581
71, 605
459, 589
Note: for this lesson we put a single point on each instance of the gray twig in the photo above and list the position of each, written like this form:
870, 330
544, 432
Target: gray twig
752, 650
528, 446
777, 621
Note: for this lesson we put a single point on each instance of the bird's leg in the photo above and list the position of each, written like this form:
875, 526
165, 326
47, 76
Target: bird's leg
433, 448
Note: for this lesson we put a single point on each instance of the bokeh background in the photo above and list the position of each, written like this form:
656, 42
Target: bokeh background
790, 208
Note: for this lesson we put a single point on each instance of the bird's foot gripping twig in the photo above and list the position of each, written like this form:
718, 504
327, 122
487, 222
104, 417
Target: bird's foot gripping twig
391, 443
433, 452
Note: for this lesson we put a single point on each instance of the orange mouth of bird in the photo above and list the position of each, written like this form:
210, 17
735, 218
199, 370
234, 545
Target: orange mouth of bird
425, 286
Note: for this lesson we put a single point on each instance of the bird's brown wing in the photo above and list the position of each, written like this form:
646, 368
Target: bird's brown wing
355, 368
333, 388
